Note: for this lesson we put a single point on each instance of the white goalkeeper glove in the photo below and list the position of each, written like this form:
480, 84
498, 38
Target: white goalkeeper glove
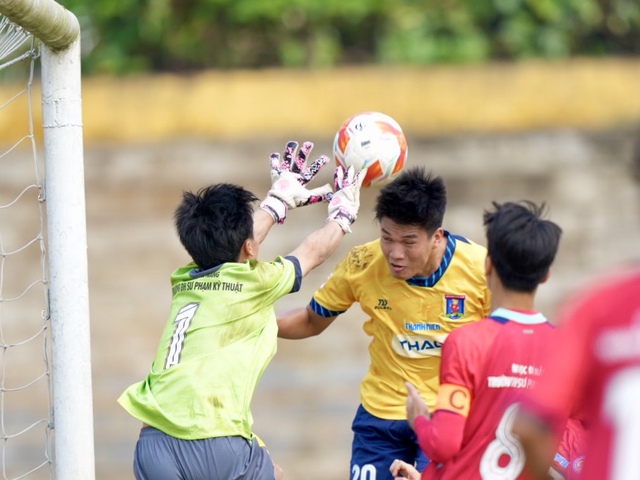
345, 203
288, 180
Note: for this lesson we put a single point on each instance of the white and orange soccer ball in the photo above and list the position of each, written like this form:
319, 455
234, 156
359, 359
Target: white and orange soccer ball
373, 140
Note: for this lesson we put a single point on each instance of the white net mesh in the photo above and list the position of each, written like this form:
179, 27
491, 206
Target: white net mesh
25, 374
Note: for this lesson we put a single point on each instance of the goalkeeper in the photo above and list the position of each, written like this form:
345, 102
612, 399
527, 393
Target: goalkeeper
221, 331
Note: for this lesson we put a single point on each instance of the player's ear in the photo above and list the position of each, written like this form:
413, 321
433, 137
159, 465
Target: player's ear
249, 250
438, 235
488, 266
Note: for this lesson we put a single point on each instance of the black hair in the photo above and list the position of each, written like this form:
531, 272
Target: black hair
214, 223
415, 197
521, 244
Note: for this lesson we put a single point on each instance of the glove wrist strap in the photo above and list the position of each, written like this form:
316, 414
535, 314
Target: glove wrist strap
275, 207
342, 218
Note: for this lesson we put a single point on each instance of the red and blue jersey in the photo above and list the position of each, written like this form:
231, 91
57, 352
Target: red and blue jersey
485, 365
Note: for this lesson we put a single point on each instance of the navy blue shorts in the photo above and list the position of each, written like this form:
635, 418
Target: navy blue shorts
378, 442
159, 456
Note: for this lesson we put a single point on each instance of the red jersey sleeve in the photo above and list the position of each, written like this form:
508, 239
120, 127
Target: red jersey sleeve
441, 437
572, 448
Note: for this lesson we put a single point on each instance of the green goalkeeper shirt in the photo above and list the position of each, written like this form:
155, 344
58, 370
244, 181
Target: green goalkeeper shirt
219, 338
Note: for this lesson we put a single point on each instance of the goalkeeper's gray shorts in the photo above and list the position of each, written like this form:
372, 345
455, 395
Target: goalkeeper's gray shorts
159, 456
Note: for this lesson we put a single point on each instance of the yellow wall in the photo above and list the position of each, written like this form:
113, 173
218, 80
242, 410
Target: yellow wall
426, 101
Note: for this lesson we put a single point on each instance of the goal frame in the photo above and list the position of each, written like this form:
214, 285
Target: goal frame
68, 294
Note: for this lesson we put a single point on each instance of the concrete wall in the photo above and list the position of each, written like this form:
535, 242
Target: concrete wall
560, 133
305, 402
432, 101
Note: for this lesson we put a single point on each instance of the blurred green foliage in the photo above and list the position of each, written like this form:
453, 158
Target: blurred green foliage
128, 36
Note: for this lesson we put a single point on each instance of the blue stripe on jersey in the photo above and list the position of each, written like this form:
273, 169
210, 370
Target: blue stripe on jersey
298, 281
323, 312
499, 319
431, 280
461, 238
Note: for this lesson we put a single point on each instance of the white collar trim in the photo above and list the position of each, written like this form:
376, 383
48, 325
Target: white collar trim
520, 317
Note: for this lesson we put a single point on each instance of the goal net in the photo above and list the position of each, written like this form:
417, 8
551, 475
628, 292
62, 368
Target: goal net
46, 405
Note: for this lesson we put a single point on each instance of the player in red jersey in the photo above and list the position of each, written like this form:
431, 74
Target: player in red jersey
484, 364
595, 362
594, 366
567, 462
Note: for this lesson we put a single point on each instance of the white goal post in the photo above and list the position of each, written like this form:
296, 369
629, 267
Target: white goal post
59, 33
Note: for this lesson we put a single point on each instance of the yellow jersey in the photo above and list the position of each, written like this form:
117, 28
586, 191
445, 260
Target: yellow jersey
408, 320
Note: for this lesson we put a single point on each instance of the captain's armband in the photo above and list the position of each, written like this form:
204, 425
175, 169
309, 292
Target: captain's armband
454, 398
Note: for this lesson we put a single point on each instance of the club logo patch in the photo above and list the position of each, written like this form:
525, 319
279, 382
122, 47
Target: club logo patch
577, 464
454, 306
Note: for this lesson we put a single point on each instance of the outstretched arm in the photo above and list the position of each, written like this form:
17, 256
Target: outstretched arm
342, 212
302, 323
313, 250
316, 247
262, 223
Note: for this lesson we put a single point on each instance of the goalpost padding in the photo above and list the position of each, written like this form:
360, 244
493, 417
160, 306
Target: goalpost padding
58, 29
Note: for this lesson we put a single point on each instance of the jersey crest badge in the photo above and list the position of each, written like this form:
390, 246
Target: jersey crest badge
454, 306
577, 464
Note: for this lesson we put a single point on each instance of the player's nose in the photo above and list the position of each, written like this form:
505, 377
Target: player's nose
396, 253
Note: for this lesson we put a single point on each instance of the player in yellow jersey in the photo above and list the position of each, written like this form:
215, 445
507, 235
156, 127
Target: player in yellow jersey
221, 330
416, 283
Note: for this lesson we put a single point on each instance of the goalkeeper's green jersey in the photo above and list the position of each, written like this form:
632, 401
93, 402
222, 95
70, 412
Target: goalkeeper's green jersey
408, 320
219, 338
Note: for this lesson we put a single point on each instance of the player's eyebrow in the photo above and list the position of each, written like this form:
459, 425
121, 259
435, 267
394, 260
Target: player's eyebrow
406, 236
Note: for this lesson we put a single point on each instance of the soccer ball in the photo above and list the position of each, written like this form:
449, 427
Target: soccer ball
372, 140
